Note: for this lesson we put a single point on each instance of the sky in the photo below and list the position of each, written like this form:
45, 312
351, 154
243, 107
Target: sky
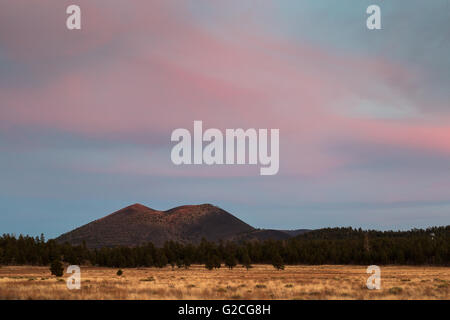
86, 115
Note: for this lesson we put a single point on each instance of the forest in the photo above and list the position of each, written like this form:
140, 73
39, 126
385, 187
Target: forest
323, 246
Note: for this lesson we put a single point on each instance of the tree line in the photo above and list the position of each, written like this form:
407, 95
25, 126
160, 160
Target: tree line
323, 246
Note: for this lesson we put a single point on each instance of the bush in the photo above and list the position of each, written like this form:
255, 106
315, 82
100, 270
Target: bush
119, 272
246, 262
56, 268
212, 262
230, 261
148, 279
277, 262
209, 264
395, 290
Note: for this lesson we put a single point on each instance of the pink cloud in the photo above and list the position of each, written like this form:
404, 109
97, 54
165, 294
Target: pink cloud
168, 71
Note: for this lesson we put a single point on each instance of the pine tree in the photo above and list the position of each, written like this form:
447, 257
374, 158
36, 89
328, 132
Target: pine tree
246, 262
216, 261
187, 262
230, 261
209, 264
161, 259
277, 262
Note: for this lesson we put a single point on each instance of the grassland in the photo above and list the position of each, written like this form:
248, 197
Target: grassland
260, 282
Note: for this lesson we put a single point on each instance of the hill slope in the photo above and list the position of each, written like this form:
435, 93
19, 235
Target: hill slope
137, 224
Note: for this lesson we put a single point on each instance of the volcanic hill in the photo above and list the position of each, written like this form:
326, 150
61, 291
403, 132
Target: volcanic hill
138, 224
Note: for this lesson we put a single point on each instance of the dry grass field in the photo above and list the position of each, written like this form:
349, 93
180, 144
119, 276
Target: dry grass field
260, 282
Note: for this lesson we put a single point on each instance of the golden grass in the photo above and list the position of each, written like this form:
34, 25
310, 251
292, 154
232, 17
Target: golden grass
260, 282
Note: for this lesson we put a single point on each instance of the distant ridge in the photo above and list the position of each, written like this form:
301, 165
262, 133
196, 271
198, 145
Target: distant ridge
138, 224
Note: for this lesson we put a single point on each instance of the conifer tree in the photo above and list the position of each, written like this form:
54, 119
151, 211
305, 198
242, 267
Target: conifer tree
246, 262
277, 262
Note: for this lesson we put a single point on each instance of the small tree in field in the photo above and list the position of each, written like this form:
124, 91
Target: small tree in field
246, 262
230, 261
216, 261
119, 272
213, 261
56, 268
209, 263
187, 263
277, 262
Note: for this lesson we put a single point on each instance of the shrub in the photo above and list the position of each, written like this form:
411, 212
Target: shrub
148, 279
119, 272
212, 262
246, 262
277, 262
230, 261
56, 268
395, 290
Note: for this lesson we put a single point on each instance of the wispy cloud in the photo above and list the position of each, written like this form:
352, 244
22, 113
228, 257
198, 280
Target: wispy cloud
363, 117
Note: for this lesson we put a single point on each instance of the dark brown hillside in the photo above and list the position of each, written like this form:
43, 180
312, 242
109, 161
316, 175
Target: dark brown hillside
138, 224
